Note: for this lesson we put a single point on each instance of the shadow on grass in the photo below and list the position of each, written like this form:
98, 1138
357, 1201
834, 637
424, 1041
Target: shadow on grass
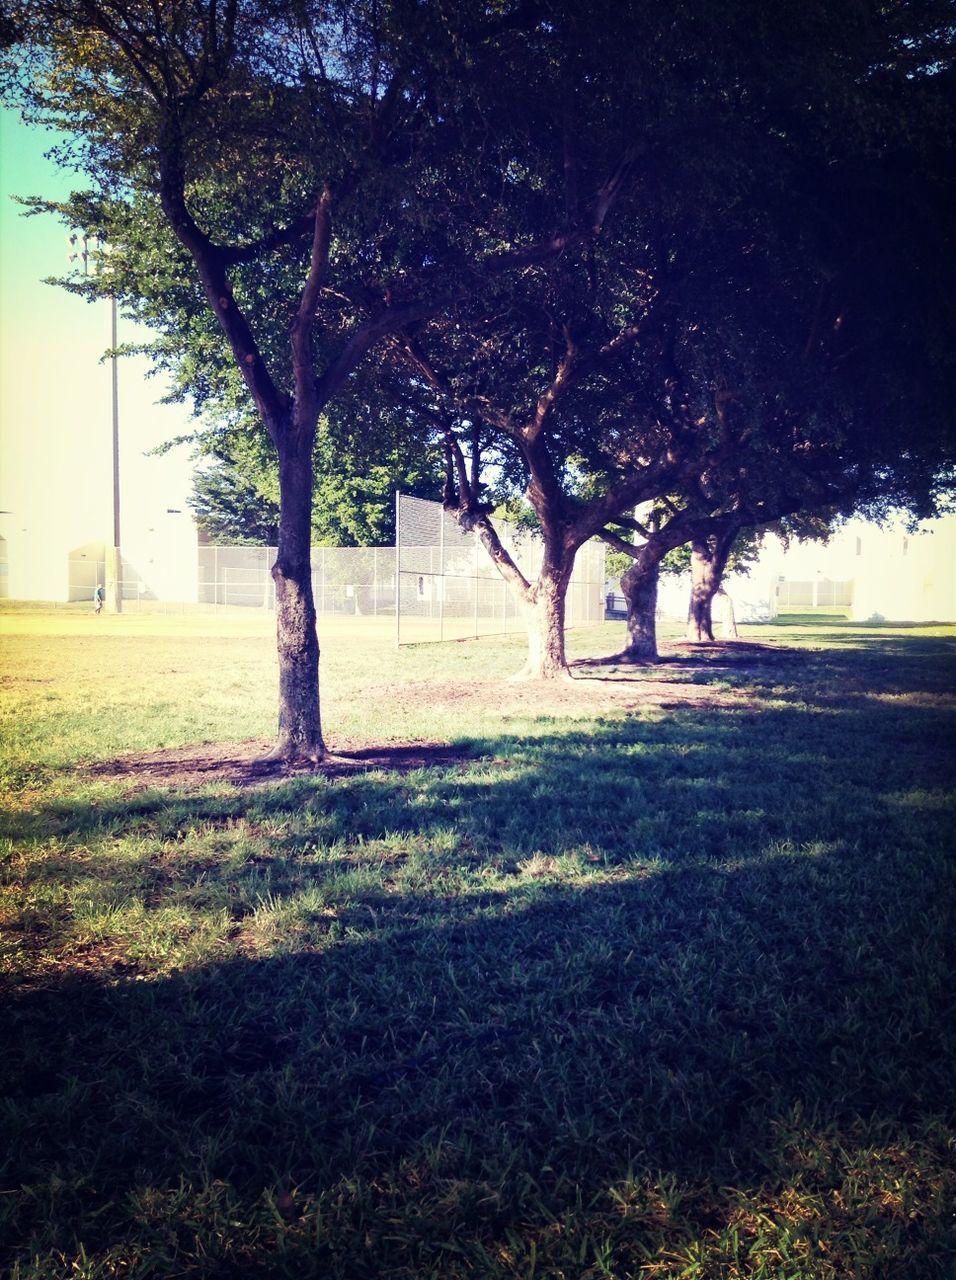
617, 988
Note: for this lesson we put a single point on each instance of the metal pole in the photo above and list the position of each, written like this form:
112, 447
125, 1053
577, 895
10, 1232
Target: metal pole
114, 560
398, 568
117, 553
441, 574
322, 594
477, 579
116, 458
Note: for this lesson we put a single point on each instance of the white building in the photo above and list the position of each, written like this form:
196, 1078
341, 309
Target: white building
866, 571
159, 558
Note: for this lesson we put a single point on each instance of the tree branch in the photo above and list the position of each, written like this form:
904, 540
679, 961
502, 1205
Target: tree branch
618, 544
271, 402
559, 383
303, 324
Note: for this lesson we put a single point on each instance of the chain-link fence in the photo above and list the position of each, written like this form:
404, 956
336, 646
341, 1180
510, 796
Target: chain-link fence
449, 588
345, 580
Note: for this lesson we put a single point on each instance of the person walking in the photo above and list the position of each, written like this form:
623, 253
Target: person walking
99, 595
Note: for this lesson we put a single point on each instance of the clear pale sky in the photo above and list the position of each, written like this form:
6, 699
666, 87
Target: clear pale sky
55, 395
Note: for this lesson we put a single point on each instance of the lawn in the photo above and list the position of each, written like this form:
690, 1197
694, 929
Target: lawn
646, 976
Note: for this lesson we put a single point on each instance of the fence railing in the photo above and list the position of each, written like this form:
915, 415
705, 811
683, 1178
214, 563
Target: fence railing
437, 582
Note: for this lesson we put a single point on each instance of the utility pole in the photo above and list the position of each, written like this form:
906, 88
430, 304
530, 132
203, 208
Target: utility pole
117, 558
82, 246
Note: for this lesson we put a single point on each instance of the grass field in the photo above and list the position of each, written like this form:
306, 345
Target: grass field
650, 977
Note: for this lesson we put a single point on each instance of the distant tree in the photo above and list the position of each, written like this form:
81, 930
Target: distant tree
235, 495
712, 555
230, 510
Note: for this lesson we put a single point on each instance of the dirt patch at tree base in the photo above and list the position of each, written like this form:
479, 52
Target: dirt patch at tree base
248, 763
681, 680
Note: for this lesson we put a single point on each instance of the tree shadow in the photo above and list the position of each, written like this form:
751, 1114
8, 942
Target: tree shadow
734, 978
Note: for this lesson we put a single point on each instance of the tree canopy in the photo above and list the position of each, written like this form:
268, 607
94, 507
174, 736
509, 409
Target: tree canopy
358, 467
622, 252
288, 184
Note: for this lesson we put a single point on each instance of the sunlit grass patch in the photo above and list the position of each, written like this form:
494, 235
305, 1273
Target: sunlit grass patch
659, 993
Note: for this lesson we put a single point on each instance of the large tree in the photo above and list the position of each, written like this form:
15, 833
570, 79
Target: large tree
313, 176
702, 344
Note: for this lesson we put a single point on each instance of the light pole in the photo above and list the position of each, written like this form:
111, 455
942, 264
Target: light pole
81, 247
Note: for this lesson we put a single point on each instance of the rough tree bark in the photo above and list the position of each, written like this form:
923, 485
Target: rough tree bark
541, 603
708, 561
640, 581
544, 609
300, 723
639, 585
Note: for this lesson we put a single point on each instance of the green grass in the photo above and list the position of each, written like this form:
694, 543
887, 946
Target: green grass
659, 994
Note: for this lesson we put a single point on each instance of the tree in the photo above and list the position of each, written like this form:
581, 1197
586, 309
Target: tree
850, 403
701, 341
292, 172
667, 529
709, 556
582, 231
715, 554
230, 509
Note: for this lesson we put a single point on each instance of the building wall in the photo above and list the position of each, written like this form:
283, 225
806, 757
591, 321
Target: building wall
893, 574
904, 576
865, 570
160, 557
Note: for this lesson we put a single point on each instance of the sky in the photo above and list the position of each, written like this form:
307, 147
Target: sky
55, 393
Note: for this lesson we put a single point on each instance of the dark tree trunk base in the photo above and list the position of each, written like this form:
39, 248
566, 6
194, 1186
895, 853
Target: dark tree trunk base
544, 618
294, 753
634, 659
639, 585
527, 675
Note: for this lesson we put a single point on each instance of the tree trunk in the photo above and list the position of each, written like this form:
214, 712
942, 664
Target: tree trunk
728, 628
708, 560
300, 726
639, 585
541, 603
703, 588
543, 609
